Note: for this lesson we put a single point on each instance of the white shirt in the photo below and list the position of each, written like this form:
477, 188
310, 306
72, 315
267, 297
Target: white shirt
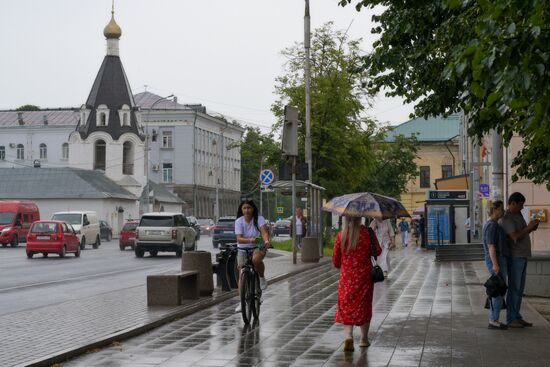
299, 230
383, 230
248, 230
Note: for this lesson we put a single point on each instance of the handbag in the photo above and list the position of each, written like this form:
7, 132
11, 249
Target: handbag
376, 273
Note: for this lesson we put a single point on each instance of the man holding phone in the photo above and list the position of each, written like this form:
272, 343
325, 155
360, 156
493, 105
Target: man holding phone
518, 232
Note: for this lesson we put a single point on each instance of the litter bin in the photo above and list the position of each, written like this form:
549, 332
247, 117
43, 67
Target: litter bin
310, 250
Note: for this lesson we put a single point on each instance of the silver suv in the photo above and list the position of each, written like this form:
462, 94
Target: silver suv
164, 232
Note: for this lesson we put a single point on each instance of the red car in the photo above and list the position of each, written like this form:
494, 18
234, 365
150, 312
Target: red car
127, 236
52, 237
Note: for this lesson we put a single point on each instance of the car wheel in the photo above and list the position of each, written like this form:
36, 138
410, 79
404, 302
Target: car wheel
29, 255
45, 254
83, 243
63, 251
153, 253
179, 252
215, 244
109, 237
139, 252
121, 247
4, 245
14, 241
77, 253
97, 242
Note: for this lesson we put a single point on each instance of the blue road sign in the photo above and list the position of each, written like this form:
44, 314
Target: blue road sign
266, 176
484, 189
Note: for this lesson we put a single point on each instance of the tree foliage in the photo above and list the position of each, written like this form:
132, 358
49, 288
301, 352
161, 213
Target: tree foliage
488, 58
340, 145
28, 107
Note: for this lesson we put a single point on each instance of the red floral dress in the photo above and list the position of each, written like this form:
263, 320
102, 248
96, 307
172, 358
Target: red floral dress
355, 287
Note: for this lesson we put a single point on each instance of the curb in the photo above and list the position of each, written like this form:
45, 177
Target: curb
64, 355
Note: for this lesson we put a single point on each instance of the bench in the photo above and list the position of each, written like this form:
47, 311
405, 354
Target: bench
168, 289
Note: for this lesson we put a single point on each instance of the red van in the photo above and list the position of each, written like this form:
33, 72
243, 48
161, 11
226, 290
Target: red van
16, 217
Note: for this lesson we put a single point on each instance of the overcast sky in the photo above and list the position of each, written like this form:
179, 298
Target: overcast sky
223, 54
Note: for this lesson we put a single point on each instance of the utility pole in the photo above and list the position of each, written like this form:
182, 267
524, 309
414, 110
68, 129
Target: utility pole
307, 46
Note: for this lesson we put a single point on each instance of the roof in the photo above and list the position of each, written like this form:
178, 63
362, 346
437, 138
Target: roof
147, 100
56, 117
428, 130
58, 183
110, 88
162, 194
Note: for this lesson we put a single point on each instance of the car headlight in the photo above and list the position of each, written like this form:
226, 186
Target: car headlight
6, 229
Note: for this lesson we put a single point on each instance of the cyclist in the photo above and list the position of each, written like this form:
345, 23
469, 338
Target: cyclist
248, 226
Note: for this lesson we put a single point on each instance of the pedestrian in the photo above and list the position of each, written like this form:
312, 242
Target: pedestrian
497, 253
422, 227
385, 234
300, 224
520, 247
415, 231
248, 226
404, 230
352, 255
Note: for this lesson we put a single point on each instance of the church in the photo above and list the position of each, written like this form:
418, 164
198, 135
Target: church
105, 156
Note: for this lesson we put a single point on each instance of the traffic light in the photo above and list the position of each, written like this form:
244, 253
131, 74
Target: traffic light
290, 132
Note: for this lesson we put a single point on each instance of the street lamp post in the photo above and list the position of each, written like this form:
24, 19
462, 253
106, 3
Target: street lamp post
147, 149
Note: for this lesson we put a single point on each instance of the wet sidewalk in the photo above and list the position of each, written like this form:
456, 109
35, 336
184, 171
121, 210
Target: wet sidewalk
44, 335
427, 314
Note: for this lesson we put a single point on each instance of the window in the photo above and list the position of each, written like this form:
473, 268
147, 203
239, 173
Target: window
99, 155
167, 172
167, 139
43, 151
446, 170
424, 176
102, 119
127, 158
102, 115
124, 115
2, 153
65, 151
20, 152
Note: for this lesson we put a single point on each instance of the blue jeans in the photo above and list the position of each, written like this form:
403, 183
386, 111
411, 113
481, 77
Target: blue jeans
496, 302
516, 286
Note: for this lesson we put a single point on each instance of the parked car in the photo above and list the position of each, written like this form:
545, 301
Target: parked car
165, 232
127, 236
195, 224
206, 226
52, 237
224, 231
105, 230
86, 225
281, 227
16, 217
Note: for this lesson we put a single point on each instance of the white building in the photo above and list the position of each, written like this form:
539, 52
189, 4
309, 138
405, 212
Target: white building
191, 153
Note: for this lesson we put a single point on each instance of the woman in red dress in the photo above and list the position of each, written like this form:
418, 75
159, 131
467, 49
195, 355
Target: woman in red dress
352, 255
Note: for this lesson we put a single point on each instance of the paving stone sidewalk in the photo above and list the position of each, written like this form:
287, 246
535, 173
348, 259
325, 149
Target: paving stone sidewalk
37, 337
427, 314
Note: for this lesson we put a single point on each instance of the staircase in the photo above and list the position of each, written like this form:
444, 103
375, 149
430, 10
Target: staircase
460, 252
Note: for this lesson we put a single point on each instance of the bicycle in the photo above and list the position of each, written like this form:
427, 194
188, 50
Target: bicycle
249, 288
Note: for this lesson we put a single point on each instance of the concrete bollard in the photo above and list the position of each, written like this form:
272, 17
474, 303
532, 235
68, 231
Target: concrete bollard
310, 250
200, 261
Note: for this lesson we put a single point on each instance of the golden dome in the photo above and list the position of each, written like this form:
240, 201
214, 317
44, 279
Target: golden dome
112, 30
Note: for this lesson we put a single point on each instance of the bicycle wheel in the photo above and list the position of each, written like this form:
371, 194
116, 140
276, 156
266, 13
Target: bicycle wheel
246, 295
257, 297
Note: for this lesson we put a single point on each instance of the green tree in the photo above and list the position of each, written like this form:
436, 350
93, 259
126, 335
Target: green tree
489, 58
28, 107
340, 143
257, 151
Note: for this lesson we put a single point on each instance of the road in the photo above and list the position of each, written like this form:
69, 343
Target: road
32, 283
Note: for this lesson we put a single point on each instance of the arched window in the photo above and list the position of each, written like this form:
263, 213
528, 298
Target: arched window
124, 115
125, 120
102, 119
20, 152
43, 151
65, 151
127, 158
102, 115
99, 155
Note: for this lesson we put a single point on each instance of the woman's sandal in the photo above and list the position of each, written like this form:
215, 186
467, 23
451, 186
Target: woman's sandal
348, 344
364, 343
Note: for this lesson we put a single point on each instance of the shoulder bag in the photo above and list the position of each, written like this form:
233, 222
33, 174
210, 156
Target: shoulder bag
376, 273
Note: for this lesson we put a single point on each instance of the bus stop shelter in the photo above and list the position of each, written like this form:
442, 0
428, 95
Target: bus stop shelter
314, 194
